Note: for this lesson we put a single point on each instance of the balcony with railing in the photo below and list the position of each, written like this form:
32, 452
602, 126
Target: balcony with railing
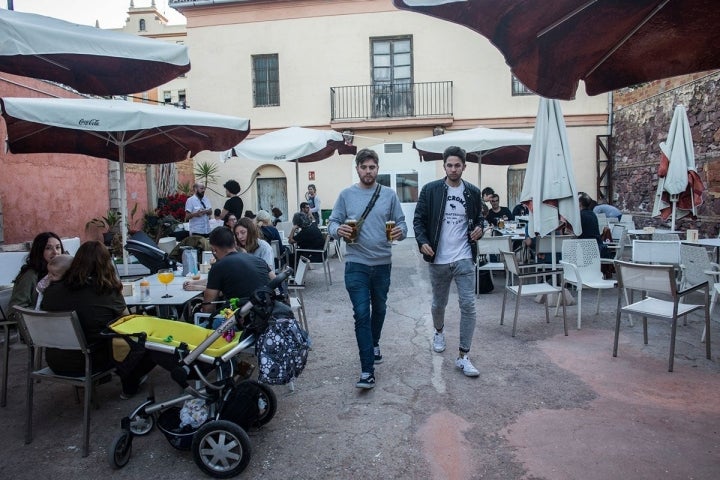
391, 101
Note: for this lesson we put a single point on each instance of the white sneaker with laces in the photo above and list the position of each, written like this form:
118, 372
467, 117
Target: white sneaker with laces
464, 364
439, 342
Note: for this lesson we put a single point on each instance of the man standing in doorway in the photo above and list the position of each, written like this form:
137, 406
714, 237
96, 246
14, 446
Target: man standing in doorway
369, 255
198, 211
448, 222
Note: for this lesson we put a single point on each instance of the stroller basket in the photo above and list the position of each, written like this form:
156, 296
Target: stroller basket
171, 333
169, 423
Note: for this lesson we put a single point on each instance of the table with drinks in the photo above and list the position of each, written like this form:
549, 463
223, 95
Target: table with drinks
163, 289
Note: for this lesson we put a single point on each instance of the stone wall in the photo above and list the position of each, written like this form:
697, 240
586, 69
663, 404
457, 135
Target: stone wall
642, 118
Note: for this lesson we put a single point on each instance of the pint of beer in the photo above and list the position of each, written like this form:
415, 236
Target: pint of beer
352, 223
389, 225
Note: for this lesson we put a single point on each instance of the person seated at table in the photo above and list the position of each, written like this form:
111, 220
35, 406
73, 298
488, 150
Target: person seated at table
520, 210
487, 194
269, 232
592, 202
217, 220
496, 212
247, 237
57, 266
92, 289
277, 216
230, 221
589, 225
235, 274
608, 210
45, 247
305, 234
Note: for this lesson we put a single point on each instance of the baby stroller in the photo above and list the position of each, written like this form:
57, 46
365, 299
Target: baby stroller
210, 418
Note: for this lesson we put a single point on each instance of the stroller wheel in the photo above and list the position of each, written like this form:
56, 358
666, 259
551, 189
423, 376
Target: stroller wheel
141, 424
120, 450
267, 403
221, 448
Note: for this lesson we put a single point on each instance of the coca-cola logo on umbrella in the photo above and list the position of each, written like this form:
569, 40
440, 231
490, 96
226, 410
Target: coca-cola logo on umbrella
93, 122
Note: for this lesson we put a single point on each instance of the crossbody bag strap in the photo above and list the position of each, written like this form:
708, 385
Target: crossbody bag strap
371, 204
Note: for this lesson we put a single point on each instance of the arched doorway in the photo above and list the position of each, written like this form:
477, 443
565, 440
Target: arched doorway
272, 190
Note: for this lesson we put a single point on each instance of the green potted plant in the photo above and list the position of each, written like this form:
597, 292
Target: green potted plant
112, 220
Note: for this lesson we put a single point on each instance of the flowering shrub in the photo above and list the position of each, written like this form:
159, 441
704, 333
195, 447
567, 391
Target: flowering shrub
173, 205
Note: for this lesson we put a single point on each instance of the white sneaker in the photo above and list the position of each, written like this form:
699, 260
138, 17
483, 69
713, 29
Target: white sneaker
439, 342
464, 364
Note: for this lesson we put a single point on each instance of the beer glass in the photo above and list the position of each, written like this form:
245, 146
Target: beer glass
352, 223
389, 225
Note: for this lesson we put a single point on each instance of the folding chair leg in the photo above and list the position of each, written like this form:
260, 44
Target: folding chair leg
597, 304
672, 344
579, 320
712, 305
86, 414
517, 307
5, 360
627, 302
617, 330
29, 398
502, 311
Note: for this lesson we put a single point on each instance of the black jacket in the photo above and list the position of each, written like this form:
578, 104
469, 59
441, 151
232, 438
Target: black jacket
430, 210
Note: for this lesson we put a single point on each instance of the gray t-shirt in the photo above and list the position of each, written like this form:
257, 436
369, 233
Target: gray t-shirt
372, 247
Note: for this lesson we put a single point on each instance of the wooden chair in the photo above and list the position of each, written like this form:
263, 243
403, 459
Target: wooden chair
659, 279
295, 286
581, 268
58, 330
517, 284
324, 254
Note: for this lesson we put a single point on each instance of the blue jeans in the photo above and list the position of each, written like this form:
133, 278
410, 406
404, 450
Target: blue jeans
368, 288
441, 276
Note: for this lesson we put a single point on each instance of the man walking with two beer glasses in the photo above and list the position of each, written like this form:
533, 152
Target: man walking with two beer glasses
369, 217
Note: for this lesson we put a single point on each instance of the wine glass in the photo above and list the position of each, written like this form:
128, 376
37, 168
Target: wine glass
166, 276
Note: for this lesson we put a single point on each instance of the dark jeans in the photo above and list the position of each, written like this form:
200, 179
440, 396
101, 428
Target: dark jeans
368, 288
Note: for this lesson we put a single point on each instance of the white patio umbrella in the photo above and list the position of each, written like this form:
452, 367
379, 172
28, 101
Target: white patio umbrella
549, 189
679, 190
125, 132
88, 59
484, 146
295, 144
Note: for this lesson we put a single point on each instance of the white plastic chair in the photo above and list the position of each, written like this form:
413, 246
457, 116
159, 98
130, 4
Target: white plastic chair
657, 279
295, 286
581, 268
697, 267
666, 252
617, 231
487, 246
58, 330
602, 221
516, 283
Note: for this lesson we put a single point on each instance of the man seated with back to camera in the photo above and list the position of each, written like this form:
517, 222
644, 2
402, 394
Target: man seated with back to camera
589, 225
305, 234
